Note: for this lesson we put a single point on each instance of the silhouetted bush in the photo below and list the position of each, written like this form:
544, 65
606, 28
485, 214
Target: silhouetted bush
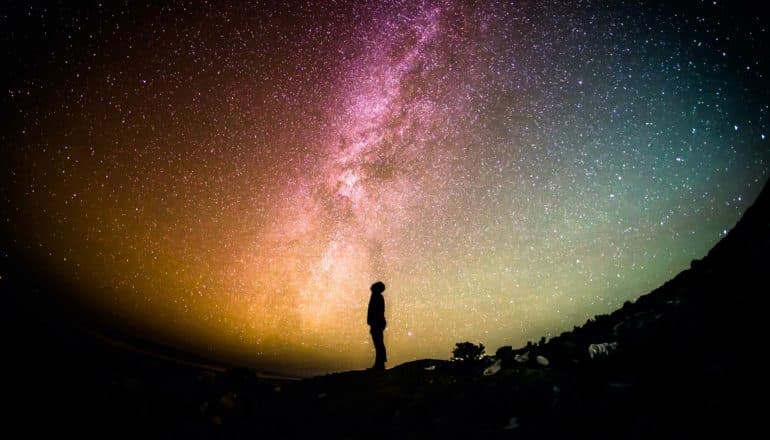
467, 351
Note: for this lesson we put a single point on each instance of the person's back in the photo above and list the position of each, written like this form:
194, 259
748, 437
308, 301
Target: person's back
375, 317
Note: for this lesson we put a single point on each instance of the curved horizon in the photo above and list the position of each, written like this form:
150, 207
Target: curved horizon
230, 180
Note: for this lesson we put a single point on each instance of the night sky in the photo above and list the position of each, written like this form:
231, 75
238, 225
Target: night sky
230, 178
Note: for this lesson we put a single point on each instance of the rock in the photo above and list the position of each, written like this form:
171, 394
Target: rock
522, 358
505, 351
601, 350
513, 423
228, 400
542, 361
494, 368
506, 355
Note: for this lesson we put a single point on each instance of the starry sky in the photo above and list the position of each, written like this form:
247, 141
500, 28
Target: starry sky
230, 177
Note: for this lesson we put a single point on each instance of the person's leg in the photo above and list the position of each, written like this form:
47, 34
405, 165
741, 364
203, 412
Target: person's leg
379, 347
382, 346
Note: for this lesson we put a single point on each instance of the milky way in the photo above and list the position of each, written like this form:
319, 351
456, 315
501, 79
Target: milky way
230, 179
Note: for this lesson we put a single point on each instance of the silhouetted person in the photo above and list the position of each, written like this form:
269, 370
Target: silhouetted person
375, 317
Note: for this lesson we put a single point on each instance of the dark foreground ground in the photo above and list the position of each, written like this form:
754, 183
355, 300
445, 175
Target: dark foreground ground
687, 365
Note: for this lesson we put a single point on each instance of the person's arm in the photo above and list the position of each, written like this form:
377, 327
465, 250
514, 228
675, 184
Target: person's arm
369, 314
381, 310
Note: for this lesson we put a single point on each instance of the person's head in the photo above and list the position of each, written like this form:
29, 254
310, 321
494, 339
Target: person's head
378, 287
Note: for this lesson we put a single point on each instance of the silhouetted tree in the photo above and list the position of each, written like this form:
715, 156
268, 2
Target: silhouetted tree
467, 351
